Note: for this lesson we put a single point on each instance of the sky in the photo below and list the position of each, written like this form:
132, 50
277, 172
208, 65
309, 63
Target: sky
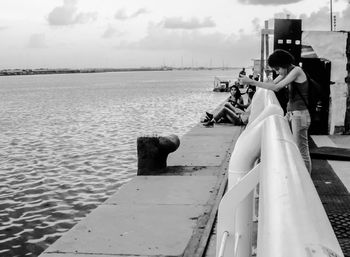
148, 33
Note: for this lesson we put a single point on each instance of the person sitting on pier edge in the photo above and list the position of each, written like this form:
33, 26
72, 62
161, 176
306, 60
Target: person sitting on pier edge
232, 112
234, 101
293, 77
240, 105
250, 93
234, 115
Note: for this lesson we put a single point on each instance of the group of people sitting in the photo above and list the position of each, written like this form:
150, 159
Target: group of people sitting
234, 111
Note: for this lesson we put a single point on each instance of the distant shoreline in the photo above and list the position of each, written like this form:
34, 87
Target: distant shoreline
18, 72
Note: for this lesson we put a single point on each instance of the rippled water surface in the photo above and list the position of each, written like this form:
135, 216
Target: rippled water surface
68, 141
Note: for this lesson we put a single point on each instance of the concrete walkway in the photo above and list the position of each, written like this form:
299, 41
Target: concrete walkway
332, 182
341, 168
164, 215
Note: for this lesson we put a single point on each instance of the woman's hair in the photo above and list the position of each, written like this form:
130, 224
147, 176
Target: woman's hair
238, 94
250, 90
280, 58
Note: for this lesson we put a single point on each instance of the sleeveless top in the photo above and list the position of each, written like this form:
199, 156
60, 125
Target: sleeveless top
296, 102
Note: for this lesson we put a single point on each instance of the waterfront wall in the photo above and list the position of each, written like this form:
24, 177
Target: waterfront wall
333, 46
170, 213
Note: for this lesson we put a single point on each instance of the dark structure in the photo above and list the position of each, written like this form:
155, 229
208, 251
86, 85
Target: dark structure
320, 70
153, 151
287, 36
347, 80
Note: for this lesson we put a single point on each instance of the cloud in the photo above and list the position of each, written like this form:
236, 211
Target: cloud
139, 12
343, 21
67, 14
284, 14
122, 15
194, 23
318, 20
268, 2
111, 32
236, 49
37, 41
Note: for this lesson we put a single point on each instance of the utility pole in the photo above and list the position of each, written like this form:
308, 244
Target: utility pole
331, 14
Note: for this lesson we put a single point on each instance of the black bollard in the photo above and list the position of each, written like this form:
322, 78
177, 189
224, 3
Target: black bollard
153, 151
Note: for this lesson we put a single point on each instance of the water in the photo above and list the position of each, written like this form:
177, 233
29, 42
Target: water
68, 141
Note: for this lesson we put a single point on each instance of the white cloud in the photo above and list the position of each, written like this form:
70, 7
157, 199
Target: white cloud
343, 21
194, 23
268, 2
122, 15
284, 14
111, 32
37, 41
318, 20
67, 14
236, 49
139, 12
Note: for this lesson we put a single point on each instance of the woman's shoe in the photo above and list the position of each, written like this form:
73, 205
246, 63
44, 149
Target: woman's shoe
209, 115
209, 124
206, 119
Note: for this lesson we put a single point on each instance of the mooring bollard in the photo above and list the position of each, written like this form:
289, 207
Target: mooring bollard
152, 152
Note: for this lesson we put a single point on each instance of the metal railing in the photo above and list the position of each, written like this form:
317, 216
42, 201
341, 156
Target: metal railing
292, 221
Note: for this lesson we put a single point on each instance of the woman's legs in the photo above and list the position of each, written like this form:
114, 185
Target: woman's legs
300, 122
232, 116
235, 109
219, 115
224, 112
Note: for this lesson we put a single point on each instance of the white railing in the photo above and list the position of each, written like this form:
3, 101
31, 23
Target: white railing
292, 221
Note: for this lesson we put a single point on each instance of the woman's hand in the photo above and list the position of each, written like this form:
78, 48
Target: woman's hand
244, 80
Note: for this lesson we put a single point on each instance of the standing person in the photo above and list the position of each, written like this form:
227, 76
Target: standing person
242, 72
295, 79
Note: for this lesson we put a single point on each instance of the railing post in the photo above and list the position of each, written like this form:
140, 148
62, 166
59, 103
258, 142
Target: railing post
238, 241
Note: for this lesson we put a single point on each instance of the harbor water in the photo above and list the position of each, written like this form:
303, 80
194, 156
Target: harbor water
68, 141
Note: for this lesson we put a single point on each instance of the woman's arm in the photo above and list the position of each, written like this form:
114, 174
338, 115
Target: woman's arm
279, 83
240, 103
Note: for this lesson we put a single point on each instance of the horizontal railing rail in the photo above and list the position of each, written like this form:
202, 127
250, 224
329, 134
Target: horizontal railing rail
292, 221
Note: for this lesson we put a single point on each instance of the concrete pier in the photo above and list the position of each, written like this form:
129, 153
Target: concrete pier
170, 214
173, 213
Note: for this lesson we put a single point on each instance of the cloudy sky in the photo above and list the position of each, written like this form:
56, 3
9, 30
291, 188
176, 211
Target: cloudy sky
136, 33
